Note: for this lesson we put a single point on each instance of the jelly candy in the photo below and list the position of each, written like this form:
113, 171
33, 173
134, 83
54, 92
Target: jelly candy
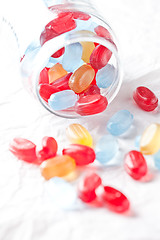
81, 78
135, 164
88, 48
62, 83
62, 100
150, 140
105, 76
61, 192
23, 149
43, 76
102, 32
100, 57
72, 57
120, 122
48, 150
157, 159
87, 187
106, 148
56, 72
82, 155
58, 166
59, 53
93, 89
46, 90
78, 134
145, 99
91, 104
115, 200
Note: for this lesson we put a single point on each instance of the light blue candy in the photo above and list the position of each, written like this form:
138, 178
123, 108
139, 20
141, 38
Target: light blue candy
62, 193
72, 57
105, 76
106, 148
157, 160
62, 100
120, 122
88, 25
137, 141
52, 61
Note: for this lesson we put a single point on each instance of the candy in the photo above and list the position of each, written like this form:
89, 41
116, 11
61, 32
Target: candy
57, 71
87, 187
105, 76
103, 32
120, 122
93, 89
46, 90
145, 99
80, 15
61, 192
23, 149
46, 35
78, 134
157, 160
137, 141
150, 140
81, 78
82, 155
58, 166
88, 48
48, 150
115, 200
62, 83
91, 104
72, 57
100, 57
62, 100
43, 76
59, 53
106, 148
135, 165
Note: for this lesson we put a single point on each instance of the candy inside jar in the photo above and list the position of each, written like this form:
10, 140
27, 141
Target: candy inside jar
75, 69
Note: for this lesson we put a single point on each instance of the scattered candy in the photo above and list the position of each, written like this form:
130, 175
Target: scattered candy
115, 200
81, 78
120, 122
145, 99
78, 134
58, 166
83, 155
91, 104
135, 165
56, 72
150, 140
157, 159
87, 187
23, 149
106, 76
57, 101
106, 149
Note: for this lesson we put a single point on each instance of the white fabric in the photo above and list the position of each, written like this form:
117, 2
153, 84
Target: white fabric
26, 212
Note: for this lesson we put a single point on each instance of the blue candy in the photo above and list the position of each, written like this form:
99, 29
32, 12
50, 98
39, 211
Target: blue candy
120, 122
85, 25
52, 61
106, 148
72, 57
62, 193
157, 159
62, 100
105, 76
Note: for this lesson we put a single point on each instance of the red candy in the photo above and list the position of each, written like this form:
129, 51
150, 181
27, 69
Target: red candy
87, 187
114, 200
49, 149
93, 89
100, 57
43, 77
82, 154
91, 104
46, 90
59, 53
46, 35
102, 32
145, 99
23, 149
62, 83
81, 15
135, 164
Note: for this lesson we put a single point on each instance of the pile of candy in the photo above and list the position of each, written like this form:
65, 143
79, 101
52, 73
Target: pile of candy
77, 75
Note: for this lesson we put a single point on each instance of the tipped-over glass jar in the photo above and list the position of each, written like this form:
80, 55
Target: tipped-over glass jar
72, 66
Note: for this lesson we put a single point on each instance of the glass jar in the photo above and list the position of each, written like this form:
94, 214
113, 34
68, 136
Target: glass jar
68, 25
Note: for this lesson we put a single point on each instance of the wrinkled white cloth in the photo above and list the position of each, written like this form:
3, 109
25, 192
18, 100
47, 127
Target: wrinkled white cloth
26, 212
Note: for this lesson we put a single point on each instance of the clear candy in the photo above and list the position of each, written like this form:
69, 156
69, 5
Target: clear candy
106, 76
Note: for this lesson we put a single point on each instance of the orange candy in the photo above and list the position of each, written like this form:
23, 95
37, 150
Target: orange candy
81, 78
58, 166
57, 71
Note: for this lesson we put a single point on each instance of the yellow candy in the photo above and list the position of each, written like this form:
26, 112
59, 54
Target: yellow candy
57, 71
150, 140
58, 166
78, 134
88, 48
